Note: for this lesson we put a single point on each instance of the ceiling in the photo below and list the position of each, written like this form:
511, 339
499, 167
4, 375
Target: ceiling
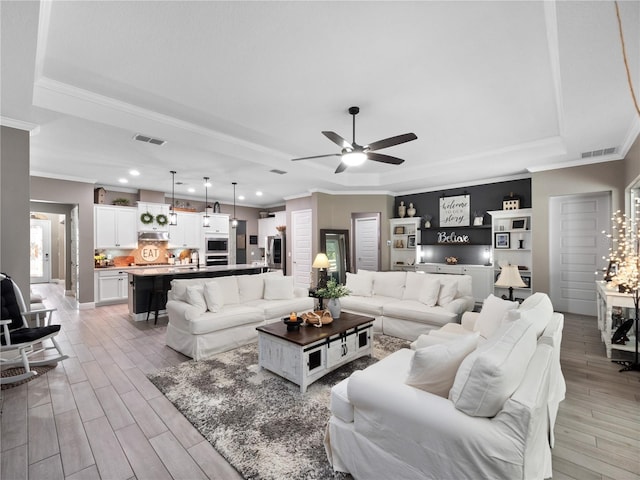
493, 90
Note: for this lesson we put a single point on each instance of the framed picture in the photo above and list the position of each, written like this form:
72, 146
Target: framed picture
502, 240
526, 280
519, 223
398, 230
411, 241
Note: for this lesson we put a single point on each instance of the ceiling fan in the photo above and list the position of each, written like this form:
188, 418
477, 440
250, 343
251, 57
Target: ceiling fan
353, 154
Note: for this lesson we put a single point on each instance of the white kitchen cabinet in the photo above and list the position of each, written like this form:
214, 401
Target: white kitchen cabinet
187, 233
405, 240
154, 209
218, 224
115, 227
111, 287
267, 226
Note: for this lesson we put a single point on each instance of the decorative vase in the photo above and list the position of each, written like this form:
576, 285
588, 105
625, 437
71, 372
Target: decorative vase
411, 211
334, 307
402, 210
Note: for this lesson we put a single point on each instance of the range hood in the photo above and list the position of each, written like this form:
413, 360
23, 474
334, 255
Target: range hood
153, 236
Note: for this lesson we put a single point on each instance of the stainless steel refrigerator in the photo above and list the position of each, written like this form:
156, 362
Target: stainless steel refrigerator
275, 253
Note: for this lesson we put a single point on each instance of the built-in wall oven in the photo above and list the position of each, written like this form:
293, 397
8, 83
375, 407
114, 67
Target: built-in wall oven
216, 245
214, 260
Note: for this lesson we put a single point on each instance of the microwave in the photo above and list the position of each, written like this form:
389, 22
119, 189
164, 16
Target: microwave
216, 245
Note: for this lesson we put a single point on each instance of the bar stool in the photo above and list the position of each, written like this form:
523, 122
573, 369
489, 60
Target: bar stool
157, 297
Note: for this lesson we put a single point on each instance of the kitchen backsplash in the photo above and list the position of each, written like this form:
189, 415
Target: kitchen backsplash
146, 253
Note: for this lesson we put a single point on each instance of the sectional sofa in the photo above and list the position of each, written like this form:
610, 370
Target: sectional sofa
213, 315
457, 407
408, 304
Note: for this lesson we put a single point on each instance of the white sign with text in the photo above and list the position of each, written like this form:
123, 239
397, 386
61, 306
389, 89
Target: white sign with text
454, 211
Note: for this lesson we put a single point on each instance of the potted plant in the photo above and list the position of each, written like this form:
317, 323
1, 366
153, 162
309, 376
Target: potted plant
123, 202
333, 291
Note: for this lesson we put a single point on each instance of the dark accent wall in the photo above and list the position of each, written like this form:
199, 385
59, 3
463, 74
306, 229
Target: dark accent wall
484, 198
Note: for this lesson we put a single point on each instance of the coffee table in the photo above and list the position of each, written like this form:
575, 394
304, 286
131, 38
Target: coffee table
305, 355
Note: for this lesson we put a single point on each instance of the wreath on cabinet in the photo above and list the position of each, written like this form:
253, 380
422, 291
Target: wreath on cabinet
162, 219
146, 218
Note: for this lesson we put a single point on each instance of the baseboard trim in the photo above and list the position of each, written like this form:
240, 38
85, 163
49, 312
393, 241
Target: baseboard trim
86, 306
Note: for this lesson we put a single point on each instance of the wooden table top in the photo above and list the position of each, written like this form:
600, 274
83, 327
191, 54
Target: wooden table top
308, 334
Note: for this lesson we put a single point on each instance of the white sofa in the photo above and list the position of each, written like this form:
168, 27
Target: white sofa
213, 315
495, 423
407, 304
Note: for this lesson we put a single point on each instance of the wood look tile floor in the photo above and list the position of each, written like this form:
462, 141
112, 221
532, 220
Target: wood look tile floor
97, 416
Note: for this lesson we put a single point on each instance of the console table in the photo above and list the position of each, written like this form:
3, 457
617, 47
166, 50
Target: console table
606, 300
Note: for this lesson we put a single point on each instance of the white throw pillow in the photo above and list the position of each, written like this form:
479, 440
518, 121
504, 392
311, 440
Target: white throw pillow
250, 287
360, 284
447, 293
278, 288
490, 374
413, 285
389, 284
214, 296
492, 315
434, 368
230, 290
539, 309
430, 291
195, 297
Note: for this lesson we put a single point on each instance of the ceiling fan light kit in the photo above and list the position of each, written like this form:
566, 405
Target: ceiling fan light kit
353, 159
353, 154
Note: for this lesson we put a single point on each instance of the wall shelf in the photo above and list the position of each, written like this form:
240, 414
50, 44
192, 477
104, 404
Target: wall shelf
470, 227
501, 222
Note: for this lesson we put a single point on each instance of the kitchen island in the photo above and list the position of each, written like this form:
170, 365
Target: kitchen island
150, 285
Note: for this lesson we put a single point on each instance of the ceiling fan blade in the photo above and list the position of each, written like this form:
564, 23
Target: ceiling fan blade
391, 141
337, 139
341, 168
316, 156
380, 157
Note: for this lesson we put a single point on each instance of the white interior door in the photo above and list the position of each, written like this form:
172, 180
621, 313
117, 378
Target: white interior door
40, 251
300, 242
367, 243
577, 247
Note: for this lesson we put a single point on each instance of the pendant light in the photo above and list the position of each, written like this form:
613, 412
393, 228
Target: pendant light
206, 220
173, 216
234, 220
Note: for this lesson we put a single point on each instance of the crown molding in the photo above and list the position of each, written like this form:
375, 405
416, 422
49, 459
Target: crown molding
551, 23
630, 137
32, 128
451, 186
49, 93
54, 176
576, 163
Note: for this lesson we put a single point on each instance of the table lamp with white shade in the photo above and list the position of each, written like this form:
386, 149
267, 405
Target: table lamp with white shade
322, 263
509, 278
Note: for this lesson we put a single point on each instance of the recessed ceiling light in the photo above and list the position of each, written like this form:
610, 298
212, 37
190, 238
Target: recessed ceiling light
123, 180
134, 173
259, 193
240, 197
191, 190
